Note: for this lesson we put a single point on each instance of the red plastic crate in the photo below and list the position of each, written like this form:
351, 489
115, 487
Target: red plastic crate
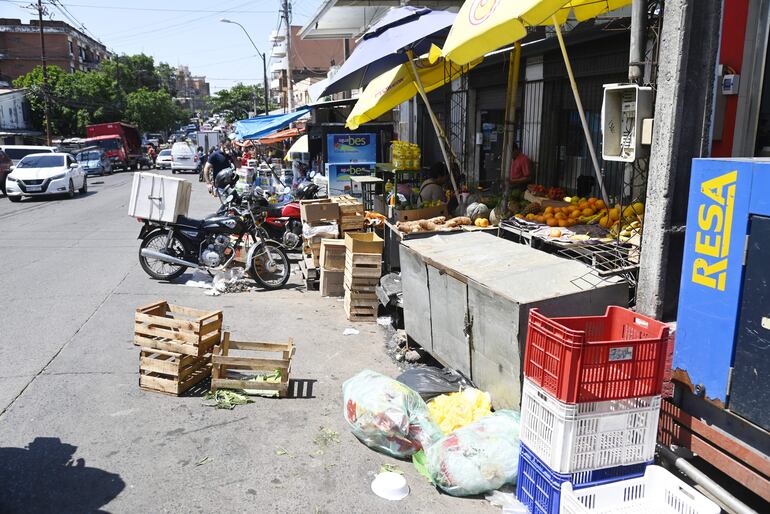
595, 358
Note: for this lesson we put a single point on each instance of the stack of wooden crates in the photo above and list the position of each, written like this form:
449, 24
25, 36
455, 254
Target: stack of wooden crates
332, 267
352, 215
363, 267
317, 213
176, 344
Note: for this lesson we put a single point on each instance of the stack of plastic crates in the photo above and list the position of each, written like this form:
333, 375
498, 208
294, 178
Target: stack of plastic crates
590, 402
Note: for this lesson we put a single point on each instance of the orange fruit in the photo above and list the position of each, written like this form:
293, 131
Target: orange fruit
548, 210
614, 214
600, 204
588, 212
540, 219
575, 213
551, 222
563, 223
592, 200
560, 216
582, 205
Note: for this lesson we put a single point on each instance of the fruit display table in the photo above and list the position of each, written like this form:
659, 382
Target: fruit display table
467, 298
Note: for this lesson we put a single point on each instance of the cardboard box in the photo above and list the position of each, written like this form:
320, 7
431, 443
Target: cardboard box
318, 210
363, 242
425, 213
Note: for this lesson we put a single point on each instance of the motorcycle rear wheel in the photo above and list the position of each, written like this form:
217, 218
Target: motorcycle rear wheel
160, 270
267, 275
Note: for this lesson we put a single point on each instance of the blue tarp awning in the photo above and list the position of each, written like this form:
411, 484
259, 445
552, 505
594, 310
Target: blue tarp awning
261, 126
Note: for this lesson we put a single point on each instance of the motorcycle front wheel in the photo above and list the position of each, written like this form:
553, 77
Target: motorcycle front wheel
160, 270
270, 267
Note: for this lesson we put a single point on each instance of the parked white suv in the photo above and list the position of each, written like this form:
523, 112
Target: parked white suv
40, 174
17, 152
183, 158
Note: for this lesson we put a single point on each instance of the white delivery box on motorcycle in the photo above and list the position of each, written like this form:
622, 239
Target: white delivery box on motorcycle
159, 198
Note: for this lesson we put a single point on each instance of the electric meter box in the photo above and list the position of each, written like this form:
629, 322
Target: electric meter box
624, 108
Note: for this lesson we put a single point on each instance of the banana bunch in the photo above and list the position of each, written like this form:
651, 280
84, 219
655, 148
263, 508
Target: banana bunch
625, 230
590, 220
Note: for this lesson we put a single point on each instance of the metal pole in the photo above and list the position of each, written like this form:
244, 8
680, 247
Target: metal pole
704, 481
289, 86
514, 68
638, 41
581, 112
434, 120
260, 54
45, 74
264, 77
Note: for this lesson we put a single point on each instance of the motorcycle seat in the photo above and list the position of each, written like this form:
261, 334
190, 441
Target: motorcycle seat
274, 212
189, 222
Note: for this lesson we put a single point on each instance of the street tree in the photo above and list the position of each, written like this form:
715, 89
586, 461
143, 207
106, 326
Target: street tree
153, 111
238, 101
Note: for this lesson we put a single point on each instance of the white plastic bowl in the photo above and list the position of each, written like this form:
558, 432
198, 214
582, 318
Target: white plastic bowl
390, 486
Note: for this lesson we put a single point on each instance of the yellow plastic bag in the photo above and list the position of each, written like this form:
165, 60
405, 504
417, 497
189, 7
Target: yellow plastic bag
454, 410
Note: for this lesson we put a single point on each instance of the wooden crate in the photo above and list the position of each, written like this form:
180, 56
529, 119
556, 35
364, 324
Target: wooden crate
357, 309
256, 357
332, 254
364, 242
318, 210
360, 285
363, 265
332, 283
171, 372
352, 215
173, 328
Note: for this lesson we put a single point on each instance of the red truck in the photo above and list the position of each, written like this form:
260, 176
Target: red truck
120, 142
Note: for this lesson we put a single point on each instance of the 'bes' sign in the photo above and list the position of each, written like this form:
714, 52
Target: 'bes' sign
712, 240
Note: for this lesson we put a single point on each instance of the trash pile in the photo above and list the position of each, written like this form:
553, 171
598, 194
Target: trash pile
454, 439
229, 281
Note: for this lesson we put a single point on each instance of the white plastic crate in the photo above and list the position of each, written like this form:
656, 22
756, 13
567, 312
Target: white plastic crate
587, 436
658, 492
159, 198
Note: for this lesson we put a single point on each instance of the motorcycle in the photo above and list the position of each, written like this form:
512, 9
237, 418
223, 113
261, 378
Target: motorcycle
169, 249
283, 222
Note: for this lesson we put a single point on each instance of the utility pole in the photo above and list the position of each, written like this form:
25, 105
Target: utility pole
289, 87
47, 96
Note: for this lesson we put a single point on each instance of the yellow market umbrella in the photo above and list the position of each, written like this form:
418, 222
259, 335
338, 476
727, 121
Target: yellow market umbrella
483, 26
397, 86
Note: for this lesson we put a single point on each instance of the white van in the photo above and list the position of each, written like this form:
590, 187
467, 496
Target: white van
183, 158
17, 152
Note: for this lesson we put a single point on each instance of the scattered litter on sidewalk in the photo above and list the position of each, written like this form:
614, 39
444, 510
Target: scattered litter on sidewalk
430, 381
384, 321
203, 461
224, 399
350, 332
326, 437
390, 486
282, 451
508, 501
229, 281
391, 468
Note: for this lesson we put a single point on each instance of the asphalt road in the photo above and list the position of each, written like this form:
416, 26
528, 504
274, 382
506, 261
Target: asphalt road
78, 435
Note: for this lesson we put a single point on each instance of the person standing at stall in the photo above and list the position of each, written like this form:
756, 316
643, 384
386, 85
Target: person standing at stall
433, 188
520, 167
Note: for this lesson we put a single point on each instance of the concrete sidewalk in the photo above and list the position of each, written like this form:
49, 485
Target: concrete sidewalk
69, 374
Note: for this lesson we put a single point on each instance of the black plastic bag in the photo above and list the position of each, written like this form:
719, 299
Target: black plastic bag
430, 382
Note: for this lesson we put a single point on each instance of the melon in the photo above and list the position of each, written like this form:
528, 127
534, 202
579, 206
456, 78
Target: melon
477, 210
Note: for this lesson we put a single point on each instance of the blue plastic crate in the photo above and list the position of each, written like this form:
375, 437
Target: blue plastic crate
539, 488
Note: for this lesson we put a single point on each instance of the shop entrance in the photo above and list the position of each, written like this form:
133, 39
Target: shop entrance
492, 125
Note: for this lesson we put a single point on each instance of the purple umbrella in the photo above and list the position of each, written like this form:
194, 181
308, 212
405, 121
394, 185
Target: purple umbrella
384, 45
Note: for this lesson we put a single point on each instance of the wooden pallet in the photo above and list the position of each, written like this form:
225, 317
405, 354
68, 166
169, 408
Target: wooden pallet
256, 357
173, 328
352, 214
171, 372
332, 283
360, 310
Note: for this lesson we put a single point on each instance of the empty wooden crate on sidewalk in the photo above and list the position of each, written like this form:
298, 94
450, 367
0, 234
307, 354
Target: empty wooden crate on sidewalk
177, 329
352, 215
171, 372
332, 267
241, 370
363, 267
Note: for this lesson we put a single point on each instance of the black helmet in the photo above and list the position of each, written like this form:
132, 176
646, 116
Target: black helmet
225, 178
306, 190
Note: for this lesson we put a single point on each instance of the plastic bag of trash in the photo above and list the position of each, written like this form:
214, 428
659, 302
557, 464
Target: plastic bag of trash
386, 415
430, 382
328, 230
455, 410
477, 458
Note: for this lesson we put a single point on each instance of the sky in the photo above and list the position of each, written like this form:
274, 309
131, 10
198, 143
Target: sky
179, 32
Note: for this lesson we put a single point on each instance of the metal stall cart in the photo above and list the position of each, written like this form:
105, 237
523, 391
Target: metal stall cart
467, 298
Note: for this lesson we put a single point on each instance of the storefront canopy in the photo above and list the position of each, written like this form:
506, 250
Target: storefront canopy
279, 136
262, 126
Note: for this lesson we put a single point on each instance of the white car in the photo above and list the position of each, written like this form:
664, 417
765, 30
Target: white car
17, 152
42, 174
183, 158
163, 160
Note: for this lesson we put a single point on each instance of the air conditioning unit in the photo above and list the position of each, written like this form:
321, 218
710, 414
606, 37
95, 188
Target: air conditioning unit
624, 109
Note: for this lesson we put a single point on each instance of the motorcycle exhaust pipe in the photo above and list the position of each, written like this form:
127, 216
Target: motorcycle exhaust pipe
152, 254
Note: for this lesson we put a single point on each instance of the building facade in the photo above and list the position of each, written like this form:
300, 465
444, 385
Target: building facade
192, 91
15, 127
66, 47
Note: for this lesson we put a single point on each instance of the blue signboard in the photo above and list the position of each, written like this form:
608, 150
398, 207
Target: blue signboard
351, 148
339, 175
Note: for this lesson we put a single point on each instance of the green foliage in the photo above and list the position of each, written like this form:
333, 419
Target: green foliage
237, 101
126, 88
